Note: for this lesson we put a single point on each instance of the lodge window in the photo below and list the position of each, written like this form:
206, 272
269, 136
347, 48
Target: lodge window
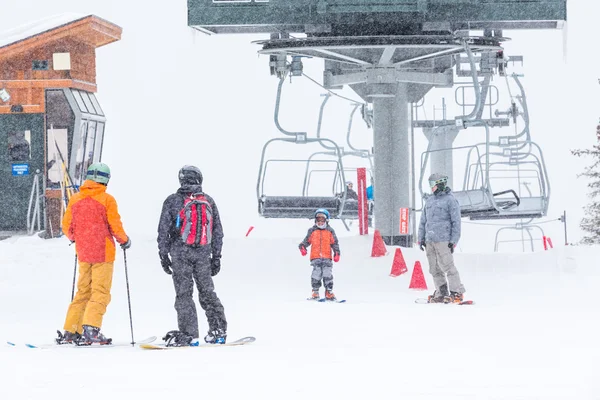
19, 146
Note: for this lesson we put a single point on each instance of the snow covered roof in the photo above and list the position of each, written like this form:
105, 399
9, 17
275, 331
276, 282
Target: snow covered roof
32, 29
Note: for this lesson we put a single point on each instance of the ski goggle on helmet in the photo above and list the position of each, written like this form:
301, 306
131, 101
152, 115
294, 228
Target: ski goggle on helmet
438, 180
98, 172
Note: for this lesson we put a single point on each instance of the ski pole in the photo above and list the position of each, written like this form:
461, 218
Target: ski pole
74, 275
128, 298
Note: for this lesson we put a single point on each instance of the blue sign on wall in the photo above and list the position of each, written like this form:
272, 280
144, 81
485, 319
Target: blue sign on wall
20, 169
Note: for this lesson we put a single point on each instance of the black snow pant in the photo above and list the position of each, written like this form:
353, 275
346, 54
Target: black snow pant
193, 265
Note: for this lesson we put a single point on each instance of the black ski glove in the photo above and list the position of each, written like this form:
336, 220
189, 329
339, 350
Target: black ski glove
215, 266
165, 262
422, 246
126, 245
451, 247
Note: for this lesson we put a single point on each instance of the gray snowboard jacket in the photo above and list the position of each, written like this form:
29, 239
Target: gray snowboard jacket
440, 219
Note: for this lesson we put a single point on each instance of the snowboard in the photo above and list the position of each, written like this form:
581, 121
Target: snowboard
54, 345
462, 303
239, 342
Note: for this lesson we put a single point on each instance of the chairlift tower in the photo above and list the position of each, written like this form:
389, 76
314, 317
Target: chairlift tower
390, 52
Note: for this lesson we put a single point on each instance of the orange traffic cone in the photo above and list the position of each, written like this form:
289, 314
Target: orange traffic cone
417, 281
399, 265
378, 245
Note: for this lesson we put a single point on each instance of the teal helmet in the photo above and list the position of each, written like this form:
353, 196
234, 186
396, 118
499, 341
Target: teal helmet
98, 172
323, 212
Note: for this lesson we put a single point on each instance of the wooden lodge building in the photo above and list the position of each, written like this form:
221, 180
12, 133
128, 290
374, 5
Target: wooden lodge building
51, 124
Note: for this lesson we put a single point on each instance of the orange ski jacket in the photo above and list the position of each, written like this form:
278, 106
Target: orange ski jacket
91, 221
322, 242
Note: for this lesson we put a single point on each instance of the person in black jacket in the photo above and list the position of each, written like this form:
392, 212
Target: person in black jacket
350, 193
188, 261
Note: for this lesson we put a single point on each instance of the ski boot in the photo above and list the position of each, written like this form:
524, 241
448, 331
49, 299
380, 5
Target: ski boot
315, 294
92, 335
177, 339
434, 298
439, 296
68, 337
329, 296
454, 297
217, 336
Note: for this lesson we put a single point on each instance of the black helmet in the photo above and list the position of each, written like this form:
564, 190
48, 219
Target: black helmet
190, 175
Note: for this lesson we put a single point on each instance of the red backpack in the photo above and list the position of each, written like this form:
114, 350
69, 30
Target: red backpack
195, 220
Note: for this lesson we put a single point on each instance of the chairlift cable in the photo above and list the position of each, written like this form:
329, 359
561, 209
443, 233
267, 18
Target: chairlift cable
508, 87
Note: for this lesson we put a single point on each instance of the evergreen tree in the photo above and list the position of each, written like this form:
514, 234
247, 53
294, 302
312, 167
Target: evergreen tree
591, 221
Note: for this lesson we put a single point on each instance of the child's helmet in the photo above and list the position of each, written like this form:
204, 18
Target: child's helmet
98, 172
322, 212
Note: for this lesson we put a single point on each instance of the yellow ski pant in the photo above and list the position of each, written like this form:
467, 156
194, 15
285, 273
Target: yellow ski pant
93, 295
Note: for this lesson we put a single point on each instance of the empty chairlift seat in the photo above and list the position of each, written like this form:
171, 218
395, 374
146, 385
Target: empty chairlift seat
350, 210
481, 204
296, 206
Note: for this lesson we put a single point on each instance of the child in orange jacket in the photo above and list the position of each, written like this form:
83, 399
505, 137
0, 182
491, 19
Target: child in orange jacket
323, 241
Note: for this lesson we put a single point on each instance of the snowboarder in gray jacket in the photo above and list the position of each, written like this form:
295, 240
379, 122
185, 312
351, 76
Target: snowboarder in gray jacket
439, 232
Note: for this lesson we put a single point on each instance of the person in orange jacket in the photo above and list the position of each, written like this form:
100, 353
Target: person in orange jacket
91, 221
323, 241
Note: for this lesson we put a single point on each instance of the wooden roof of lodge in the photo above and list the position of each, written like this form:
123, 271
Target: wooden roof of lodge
86, 28
27, 53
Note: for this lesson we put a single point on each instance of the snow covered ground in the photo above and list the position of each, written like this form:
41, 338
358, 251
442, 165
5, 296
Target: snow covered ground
533, 333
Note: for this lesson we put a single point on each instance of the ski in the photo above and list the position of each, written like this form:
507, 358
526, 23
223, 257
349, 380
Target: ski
239, 342
12, 344
462, 303
324, 300
73, 345
313, 298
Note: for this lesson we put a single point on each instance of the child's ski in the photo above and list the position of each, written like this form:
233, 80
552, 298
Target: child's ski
325, 300
239, 342
462, 303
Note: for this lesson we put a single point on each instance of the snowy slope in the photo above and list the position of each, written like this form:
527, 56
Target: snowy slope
532, 334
